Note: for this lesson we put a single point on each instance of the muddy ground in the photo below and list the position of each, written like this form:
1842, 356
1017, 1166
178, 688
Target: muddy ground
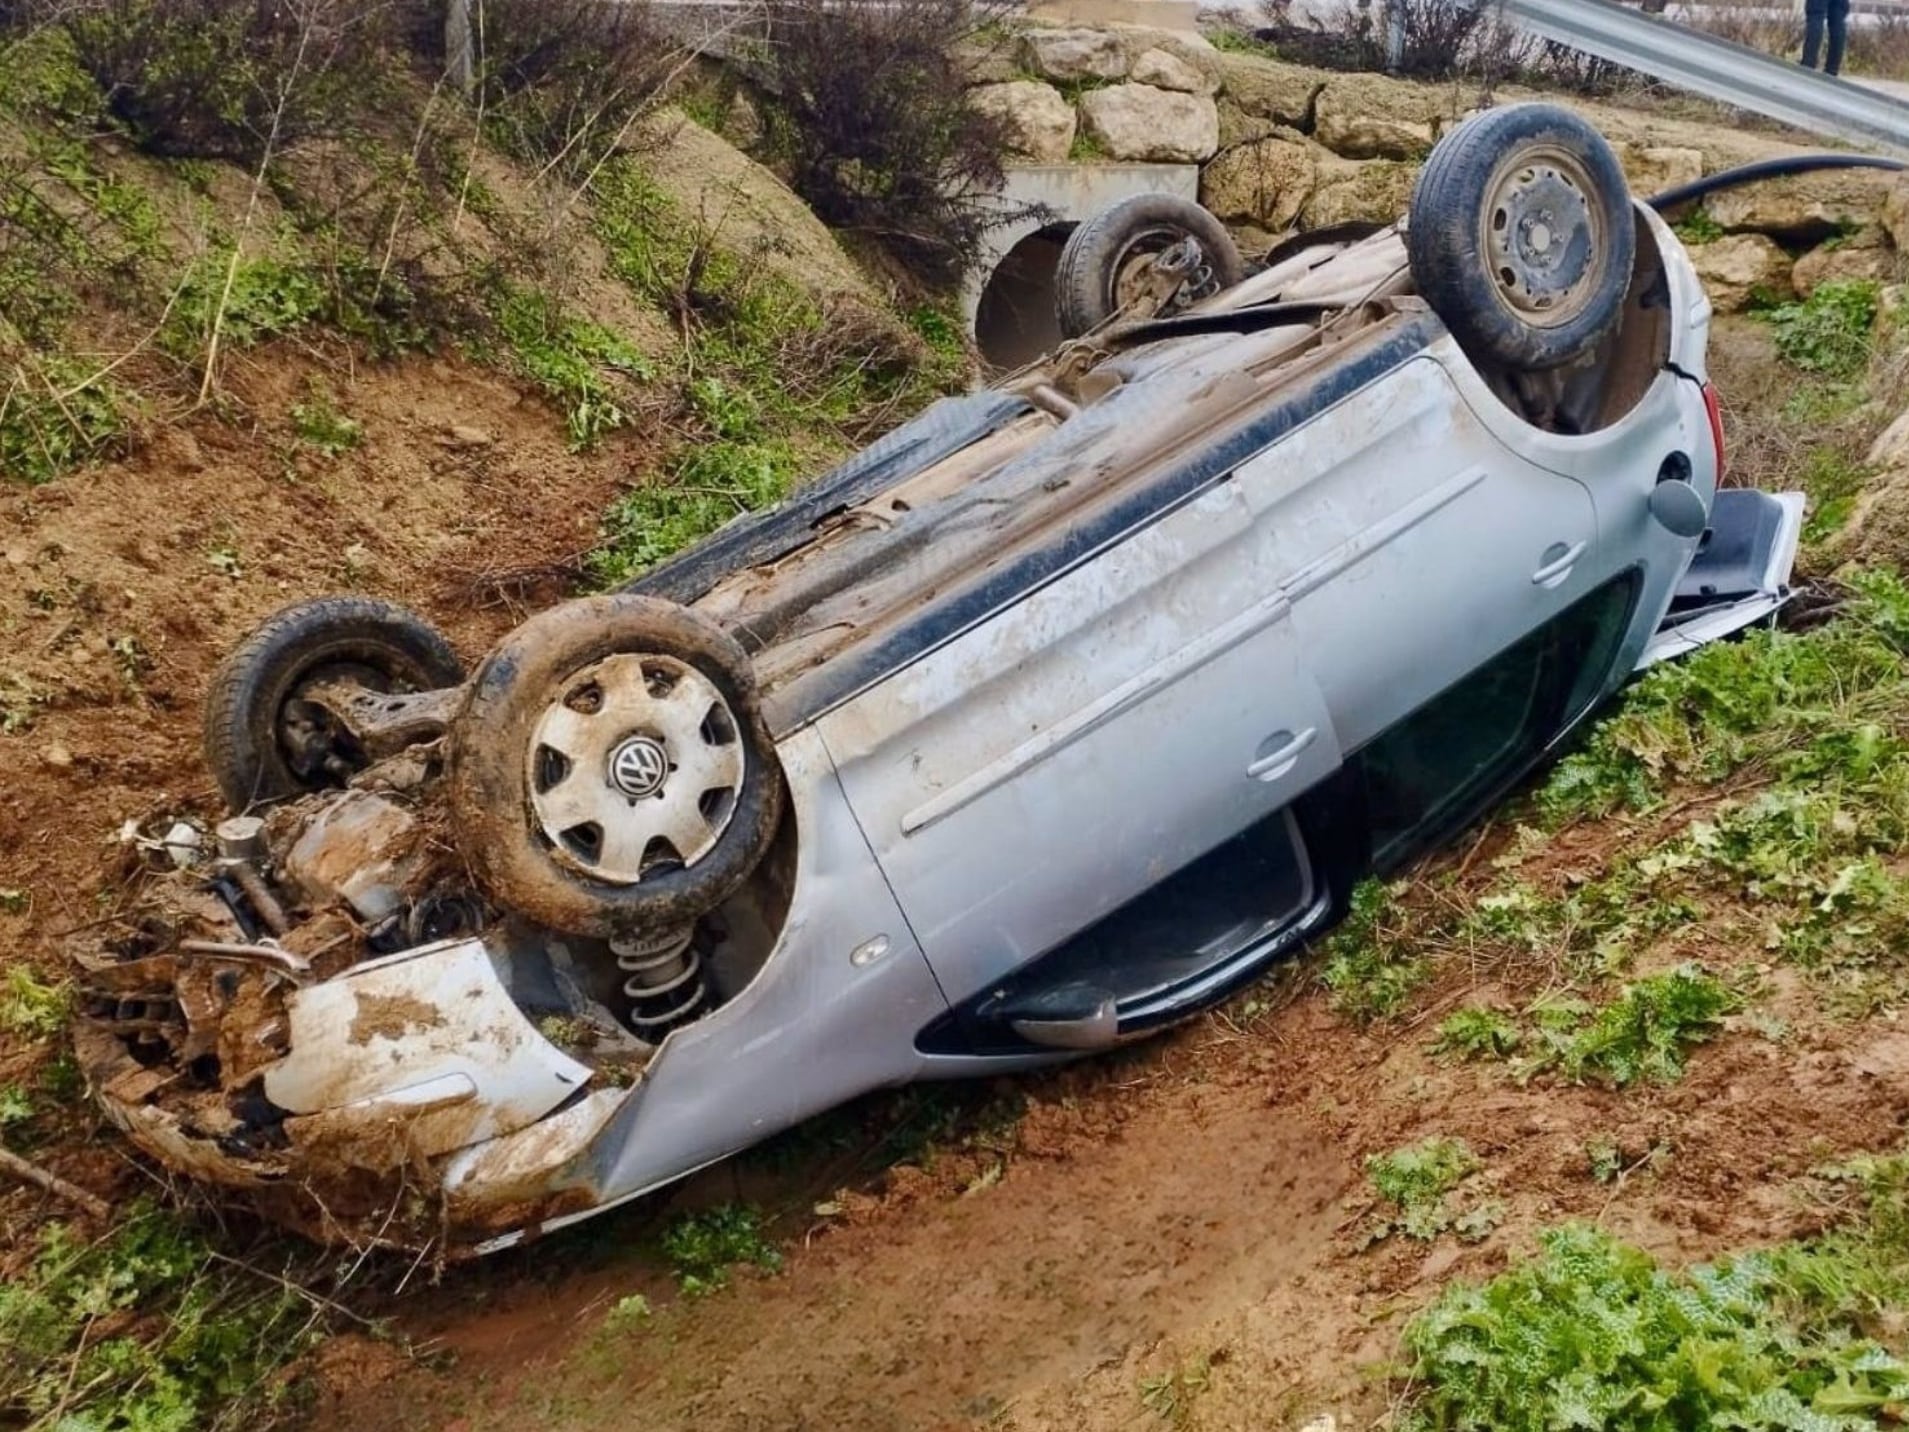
1193, 1211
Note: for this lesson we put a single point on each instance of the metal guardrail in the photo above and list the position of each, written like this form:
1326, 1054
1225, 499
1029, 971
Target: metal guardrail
1718, 69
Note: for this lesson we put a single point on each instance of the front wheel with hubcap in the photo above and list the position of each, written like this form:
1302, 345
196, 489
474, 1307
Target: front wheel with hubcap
610, 771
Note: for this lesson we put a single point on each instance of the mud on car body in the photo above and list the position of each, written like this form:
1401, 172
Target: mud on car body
1050, 719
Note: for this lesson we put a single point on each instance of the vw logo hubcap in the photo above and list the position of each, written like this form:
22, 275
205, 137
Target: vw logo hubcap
638, 767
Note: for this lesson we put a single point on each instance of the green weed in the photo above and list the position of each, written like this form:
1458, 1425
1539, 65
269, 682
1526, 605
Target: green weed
1416, 1180
1169, 1395
580, 364
54, 415
268, 297
1698, 228
1477, 1033
1605, 1158
626, 1315
1701, 719
1591, 1333
30, 1006
703, 1247
1644, 1033
1370, 967
320, 425
1830, 332
143, 1330
1238, 42
708, 487
16, 1106
1833, 483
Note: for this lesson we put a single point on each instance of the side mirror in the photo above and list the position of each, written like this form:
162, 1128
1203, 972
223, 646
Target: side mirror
1676, 506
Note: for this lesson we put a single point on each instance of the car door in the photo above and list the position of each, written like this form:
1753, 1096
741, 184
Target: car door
1079, 747
1418, 543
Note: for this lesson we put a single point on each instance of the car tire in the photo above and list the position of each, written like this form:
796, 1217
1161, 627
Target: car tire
1522, 236
384, 646
1101, 252
563, 710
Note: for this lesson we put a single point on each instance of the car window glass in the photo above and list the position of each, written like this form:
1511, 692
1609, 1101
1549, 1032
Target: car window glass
1436, 766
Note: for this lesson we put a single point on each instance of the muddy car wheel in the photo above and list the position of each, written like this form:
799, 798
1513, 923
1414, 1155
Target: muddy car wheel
610, 771
1110, 262
1522, 236
265, 743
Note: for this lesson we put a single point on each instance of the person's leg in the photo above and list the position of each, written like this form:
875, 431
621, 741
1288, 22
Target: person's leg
1838, 36
1813, 15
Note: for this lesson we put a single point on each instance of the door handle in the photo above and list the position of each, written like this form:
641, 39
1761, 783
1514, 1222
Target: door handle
1558, 561
1279, 753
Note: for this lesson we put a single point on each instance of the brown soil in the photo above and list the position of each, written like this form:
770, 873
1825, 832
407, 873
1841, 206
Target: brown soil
121, 586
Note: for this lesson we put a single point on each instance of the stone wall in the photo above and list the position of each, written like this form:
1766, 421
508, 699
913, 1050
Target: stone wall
1282, 148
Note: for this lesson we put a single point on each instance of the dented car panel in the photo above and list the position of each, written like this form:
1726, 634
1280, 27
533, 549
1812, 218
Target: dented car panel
1091, 696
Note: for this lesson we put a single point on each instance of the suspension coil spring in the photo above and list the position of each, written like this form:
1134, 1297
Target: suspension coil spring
665, 985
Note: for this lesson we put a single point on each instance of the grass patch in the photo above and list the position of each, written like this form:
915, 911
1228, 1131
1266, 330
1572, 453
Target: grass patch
30, 1006
54, 415
1830, 332
1833, 482
1418, 1182
146, 1329
1371, 966
1591, 1333
1698, 228
1477, 1033
318, 424
580, 364
703, 1247
1644, 1033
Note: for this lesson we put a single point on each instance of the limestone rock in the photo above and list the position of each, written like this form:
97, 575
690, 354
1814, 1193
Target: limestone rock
1266, 183
1891, 449
1357, 133
1352, 191
1805, 207
989, 61
1895, 213
1739, 267
1653, 168
1188, 46
1170, 72
1239, 127
1270, 90
1862, 256
1139, 122
1039, 121
1074, 54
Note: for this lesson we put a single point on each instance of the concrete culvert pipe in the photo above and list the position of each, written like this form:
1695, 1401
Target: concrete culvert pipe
1015, 321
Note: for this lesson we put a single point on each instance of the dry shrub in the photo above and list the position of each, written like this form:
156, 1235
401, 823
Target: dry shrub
564, 77
868, 117
216, 79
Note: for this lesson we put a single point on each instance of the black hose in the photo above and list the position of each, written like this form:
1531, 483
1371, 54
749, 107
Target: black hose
1767, 169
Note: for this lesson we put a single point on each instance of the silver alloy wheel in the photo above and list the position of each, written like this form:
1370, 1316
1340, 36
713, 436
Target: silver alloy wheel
635, 768
1545, 238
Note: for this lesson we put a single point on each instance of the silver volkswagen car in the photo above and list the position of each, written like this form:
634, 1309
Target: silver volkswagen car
1053, 718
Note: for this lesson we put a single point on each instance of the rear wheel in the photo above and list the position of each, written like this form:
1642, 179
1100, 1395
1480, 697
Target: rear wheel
610, 772
1522, 236
264, 740
1125, 260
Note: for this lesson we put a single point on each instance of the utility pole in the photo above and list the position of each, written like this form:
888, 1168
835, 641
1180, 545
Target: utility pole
457, 43
1394, 35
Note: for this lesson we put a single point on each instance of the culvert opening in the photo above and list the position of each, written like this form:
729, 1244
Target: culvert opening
1014, 322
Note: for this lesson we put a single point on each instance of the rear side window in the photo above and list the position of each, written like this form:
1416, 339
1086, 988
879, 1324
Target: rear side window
1434, 770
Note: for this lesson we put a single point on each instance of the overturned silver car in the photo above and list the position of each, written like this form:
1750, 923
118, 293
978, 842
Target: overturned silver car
1051, 719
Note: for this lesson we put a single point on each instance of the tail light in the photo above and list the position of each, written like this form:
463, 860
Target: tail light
1714, 411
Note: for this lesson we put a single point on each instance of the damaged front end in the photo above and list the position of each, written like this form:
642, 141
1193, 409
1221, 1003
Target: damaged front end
320, 1011
401, 1003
